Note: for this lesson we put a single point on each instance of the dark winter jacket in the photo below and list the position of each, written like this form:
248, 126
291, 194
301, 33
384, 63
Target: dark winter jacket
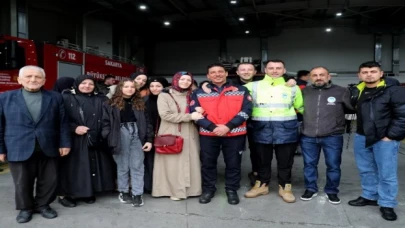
111, 126
324, 110
383, 113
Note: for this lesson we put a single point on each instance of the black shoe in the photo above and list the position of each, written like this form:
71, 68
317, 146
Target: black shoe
24, 216
125, 197
47, 212
67, 201
308, 195
206, 197
233, 197
297, 153
359, 202
90, 200
137, 201
252, 178
333, 198
388, 213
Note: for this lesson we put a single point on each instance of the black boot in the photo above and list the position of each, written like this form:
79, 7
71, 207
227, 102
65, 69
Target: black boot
206, 197
233, 197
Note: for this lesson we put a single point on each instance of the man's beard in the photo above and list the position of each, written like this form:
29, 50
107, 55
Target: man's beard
317, 85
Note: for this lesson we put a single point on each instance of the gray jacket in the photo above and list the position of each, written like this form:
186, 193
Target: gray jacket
324, 110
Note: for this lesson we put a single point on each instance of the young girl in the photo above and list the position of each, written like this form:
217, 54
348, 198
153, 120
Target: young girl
129, 133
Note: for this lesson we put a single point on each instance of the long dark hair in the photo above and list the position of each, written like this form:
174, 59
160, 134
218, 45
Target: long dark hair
117, 98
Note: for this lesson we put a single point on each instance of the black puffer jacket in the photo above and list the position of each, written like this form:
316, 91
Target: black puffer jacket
111, 124
383, 113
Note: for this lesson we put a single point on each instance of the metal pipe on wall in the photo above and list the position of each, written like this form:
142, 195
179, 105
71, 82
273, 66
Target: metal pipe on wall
223, 50
264, 48
13, 18
377, 48
396, 41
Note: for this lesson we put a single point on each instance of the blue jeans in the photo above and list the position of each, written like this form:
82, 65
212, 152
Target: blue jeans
378, 167
311, 150
130, 165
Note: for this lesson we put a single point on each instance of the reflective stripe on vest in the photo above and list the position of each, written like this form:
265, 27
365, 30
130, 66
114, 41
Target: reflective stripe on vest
273, 118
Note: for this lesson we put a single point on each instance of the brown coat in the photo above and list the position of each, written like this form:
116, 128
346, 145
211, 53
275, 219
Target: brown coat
177, 175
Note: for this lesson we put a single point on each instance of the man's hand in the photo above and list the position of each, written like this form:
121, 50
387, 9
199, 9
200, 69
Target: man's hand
64, 151
199, 110
81, 130
291, 83
205, 88
221, 130
196, 116
2, 157
147, 147
386, 139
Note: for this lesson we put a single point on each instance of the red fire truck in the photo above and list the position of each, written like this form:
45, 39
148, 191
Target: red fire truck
58, 60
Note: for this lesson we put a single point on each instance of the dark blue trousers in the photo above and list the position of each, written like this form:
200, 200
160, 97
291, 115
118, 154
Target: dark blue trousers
232, 148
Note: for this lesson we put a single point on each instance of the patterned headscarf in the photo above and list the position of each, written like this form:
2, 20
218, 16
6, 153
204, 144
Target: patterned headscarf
175, 86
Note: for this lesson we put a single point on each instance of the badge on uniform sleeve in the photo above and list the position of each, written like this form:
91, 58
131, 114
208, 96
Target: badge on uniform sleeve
249, 98
192, 103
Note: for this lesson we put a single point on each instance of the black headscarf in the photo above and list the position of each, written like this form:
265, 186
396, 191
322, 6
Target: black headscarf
80, 79
63, 84
163, 81
151, 103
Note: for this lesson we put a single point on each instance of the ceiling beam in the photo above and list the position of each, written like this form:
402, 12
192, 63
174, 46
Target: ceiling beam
207, 4
188, 5
396, 11
300, 5
173, 4
255, 9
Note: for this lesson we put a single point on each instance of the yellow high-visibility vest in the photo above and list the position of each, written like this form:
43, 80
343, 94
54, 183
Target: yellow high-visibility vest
274, 101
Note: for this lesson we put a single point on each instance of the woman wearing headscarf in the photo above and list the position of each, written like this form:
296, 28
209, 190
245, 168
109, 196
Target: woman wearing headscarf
156, 85
88, 168
63, 83
178, 175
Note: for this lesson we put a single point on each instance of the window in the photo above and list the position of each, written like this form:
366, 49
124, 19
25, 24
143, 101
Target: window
12, 55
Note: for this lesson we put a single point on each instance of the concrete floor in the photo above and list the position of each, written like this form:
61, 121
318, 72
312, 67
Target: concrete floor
264, 211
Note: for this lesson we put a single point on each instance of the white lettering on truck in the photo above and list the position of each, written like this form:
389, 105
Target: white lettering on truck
113, 64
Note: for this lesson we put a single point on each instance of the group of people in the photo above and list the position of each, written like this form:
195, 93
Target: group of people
82, 139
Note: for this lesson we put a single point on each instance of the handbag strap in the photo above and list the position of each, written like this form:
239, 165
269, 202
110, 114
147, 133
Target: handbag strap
178, 109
